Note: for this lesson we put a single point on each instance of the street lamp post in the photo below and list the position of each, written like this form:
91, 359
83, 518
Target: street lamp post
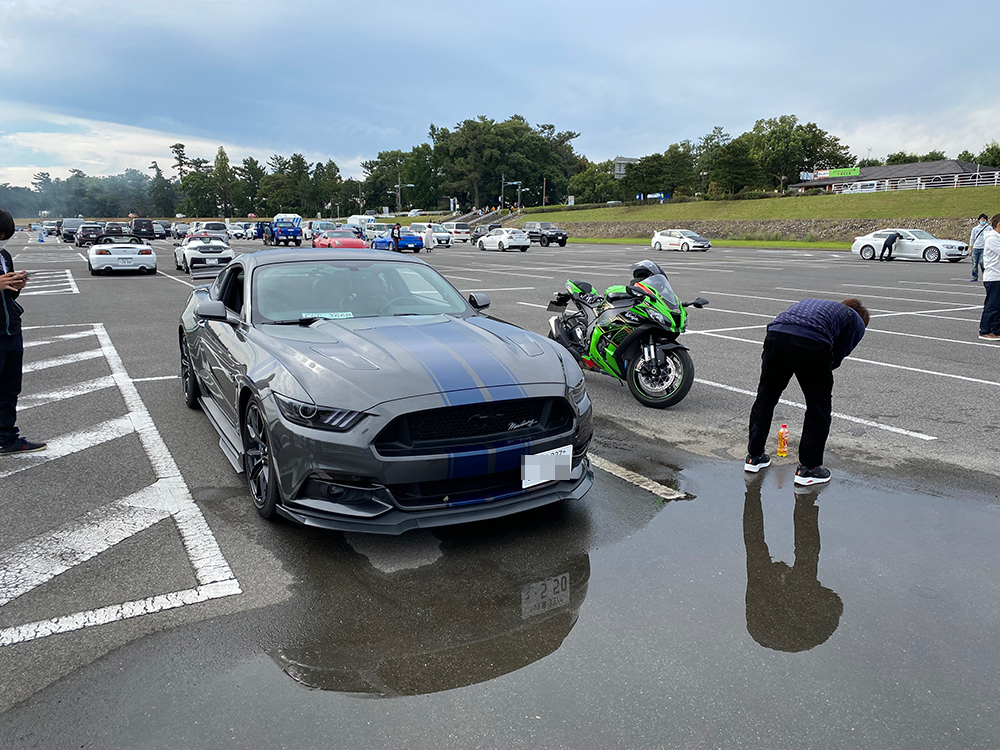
516, 182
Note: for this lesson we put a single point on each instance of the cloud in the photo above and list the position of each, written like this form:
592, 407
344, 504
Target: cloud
57, 143
951, 131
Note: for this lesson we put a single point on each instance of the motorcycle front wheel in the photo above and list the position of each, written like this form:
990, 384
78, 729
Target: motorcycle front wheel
664, 386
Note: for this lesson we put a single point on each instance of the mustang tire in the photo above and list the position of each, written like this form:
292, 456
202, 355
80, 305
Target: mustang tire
189, 381
257, 463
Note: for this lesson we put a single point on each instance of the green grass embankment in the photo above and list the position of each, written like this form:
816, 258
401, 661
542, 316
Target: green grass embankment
914, 204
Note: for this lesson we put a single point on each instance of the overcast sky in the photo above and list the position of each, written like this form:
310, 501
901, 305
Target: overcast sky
104, 85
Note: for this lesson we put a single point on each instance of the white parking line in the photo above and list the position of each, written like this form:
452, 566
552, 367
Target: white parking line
532, 304
66, 359
502, 289
904, 289
847, 417
880, 364
62, 337
841, 294
660, 490
47, 555
67, 445
174, 278
158, 377
80, 389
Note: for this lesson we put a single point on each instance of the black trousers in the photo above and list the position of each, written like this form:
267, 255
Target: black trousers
812, 365
886, 247
990, 320
11, 358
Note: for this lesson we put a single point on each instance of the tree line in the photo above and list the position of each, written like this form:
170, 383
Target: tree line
478, 162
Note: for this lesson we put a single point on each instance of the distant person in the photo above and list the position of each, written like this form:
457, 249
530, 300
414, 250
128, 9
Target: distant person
788, 609
809, 340
887, 246
394, 234
977, 240
11, 346
429, 238
989, 324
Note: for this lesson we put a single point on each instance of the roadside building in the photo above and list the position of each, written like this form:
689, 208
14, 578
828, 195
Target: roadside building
620, 163
946, 173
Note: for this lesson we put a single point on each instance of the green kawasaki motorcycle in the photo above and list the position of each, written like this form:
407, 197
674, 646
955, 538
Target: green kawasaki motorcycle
629, 332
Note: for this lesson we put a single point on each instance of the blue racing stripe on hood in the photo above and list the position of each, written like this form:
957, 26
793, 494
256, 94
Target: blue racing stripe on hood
473, 352
438, 361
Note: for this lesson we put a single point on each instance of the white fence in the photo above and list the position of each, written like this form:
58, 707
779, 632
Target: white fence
963, 179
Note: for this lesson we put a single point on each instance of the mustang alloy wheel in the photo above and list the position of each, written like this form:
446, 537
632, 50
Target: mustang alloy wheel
257, 462
189, 381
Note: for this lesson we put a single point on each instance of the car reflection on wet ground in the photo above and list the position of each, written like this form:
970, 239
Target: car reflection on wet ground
747, 616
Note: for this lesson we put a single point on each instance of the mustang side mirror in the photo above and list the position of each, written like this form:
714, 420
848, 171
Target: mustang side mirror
177, 244
479, 300
211, 309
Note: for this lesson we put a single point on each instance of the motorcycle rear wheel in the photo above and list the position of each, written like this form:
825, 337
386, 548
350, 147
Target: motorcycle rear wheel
667, 386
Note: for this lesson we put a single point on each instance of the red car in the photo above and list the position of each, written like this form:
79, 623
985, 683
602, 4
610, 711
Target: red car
337, 238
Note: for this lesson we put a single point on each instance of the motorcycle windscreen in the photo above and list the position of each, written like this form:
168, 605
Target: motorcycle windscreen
661, 286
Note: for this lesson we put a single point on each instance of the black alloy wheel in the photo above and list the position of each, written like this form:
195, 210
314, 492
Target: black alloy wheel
544, 241
257, 463
189, 381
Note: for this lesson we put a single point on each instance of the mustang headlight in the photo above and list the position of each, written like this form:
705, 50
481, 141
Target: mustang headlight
318, 417
578, 392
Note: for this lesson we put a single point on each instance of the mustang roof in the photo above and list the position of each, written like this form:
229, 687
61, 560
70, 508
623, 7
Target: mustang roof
267, 257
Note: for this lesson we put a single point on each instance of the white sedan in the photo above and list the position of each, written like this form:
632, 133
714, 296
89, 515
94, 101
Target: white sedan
911, 243
201, 253
679, 239
505, 238
120, 253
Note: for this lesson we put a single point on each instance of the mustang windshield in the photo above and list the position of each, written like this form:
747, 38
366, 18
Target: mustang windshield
342, 289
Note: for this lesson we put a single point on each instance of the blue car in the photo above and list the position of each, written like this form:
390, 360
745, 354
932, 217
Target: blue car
407, 241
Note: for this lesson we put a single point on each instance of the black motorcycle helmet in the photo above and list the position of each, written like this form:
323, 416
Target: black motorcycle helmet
644, 269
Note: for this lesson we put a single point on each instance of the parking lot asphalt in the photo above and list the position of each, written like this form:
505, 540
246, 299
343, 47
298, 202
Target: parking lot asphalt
144, 604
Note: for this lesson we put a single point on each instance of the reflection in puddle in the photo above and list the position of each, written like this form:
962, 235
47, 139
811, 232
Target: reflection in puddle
788, 609
490, 603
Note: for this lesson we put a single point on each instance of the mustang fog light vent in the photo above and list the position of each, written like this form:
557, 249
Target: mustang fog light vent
318, 417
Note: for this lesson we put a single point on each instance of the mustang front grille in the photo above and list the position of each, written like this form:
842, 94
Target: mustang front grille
469, 427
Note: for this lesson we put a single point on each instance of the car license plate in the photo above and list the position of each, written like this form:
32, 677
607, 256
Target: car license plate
550, 466
211, 261
124, 261
544, 596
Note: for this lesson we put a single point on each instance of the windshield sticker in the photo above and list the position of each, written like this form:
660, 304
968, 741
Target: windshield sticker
327, 315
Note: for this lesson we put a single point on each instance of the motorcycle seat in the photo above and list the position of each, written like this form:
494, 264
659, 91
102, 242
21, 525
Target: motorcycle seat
620, 296
585, 286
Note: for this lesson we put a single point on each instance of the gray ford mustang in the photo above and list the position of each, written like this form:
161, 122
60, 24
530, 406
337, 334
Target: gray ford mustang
358, 390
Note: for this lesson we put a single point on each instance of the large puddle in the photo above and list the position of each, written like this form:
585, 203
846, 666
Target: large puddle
750, 616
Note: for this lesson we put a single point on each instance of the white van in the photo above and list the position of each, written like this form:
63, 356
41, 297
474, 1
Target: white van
860, 187
459, 230
361, 221
313, 227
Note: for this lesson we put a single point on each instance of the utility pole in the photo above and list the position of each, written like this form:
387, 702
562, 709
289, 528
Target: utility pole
543, 190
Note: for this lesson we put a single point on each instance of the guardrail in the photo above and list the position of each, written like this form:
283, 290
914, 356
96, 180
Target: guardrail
963, 179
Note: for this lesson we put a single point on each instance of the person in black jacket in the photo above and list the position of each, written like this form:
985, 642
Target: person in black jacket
809, 340
11, 346
887, 246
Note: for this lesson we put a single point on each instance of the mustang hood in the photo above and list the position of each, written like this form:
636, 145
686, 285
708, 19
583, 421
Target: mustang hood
360, 363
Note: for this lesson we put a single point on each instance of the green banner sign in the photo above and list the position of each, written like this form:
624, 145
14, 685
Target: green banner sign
850, 172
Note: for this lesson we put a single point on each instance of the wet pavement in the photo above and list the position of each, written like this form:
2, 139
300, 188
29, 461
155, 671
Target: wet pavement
747, 615
743, 615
